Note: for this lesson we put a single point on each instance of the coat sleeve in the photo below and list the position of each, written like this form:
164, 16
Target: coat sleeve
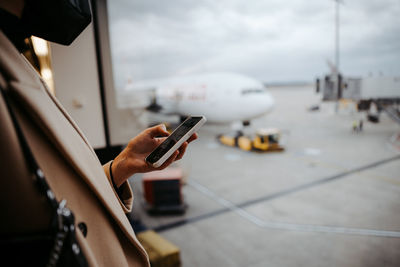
125, 194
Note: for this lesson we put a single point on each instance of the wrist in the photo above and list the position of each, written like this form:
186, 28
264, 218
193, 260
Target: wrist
112, 176
116, 177
118, 168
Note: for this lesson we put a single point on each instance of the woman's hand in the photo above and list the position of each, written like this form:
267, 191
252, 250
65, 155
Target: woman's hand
132, 159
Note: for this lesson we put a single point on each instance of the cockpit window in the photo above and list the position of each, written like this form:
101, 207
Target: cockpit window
252, 91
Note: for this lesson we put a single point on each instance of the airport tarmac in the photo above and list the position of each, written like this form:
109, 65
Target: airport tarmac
332, 198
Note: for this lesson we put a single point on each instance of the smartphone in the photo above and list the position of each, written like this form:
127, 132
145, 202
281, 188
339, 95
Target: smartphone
182, 133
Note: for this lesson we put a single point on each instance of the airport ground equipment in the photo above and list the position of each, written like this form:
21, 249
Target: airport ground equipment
264, 140
162, 253
163, 191
381, 93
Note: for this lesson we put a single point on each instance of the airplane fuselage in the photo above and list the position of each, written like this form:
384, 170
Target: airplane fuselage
221, 97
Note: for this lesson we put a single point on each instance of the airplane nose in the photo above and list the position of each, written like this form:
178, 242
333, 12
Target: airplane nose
261, 105
267, 103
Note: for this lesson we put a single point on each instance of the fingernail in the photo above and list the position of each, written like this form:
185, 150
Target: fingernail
163, 126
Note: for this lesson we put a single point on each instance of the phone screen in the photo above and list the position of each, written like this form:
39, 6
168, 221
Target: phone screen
173, 139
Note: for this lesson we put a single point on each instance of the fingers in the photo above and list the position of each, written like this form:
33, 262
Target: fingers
170, 160
192, 138
183, 147
159, 140
179, 153
157, 131
182, 150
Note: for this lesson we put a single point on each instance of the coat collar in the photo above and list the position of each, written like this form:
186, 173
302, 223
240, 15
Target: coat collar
28, 89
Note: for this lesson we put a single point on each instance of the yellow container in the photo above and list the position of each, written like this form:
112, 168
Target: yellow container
162, 253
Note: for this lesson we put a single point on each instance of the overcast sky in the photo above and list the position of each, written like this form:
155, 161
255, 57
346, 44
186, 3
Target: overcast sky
270, 40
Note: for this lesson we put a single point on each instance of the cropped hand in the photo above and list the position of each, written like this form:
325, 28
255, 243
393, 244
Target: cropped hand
132, 159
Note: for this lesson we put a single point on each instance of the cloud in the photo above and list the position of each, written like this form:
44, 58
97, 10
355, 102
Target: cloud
269, 40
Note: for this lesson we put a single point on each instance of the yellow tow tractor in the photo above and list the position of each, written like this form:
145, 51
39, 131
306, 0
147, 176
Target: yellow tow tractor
264, 140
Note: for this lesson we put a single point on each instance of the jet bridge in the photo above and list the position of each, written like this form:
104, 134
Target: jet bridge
381, 91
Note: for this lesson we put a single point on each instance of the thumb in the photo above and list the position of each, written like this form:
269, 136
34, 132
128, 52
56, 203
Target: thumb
158, 131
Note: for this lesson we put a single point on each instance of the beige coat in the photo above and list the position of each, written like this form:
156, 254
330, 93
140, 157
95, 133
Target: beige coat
70, 165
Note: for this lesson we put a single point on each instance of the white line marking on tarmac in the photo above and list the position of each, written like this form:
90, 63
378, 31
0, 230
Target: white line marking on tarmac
290, 226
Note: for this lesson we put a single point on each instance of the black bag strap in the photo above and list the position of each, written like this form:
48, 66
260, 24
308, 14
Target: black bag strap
63, 217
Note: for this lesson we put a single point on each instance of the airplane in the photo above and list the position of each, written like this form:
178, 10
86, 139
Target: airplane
222, 98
